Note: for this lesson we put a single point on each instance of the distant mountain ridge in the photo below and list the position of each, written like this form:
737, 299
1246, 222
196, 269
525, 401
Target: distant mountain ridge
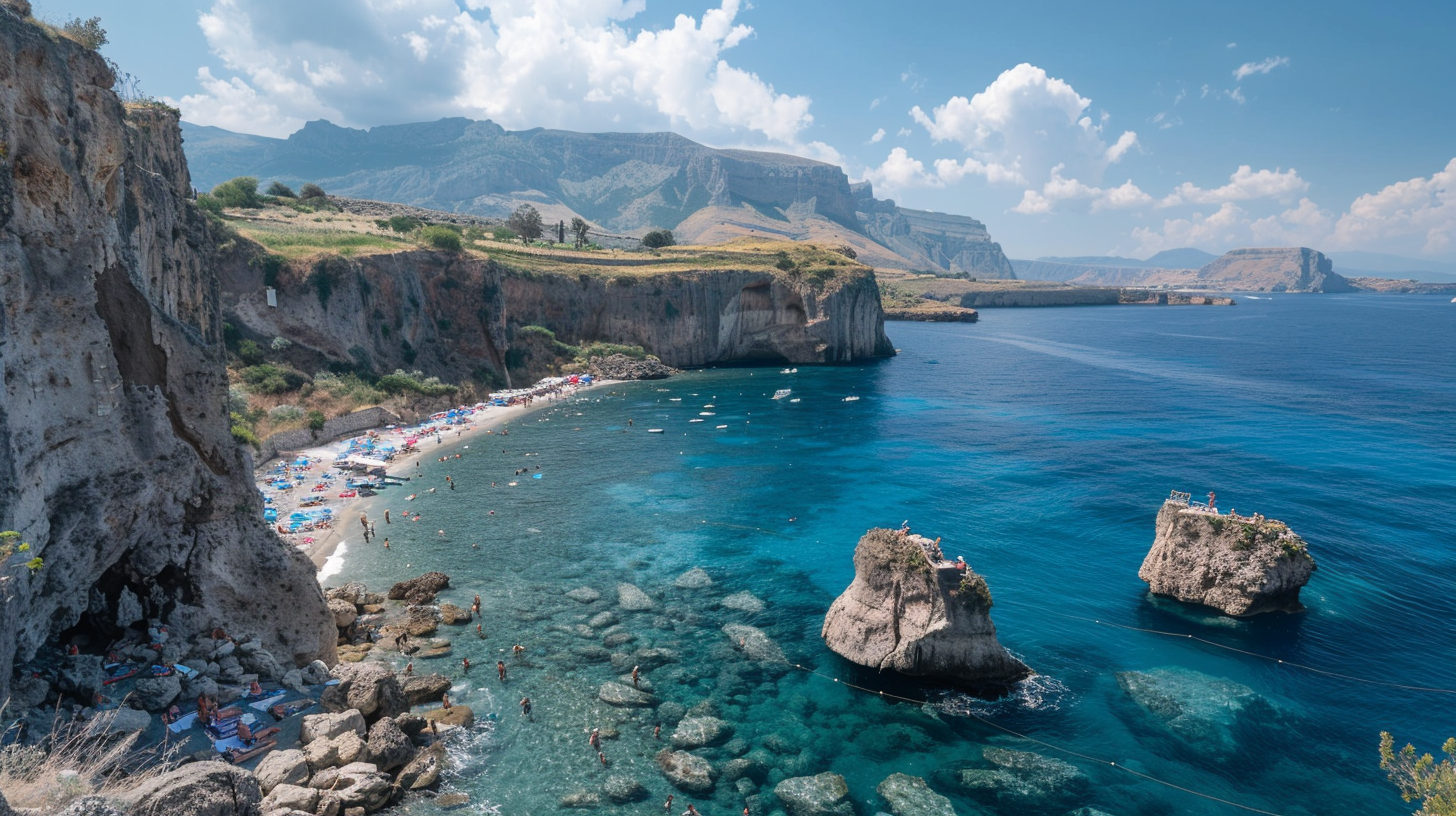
623, 182
1257, 269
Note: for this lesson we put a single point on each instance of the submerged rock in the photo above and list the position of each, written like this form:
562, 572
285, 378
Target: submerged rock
632, 599
695, 578
685, 771
625, 696
744, 602
1235, 565
580, 799
754, 643
824, 795
624, 789
910, 611
697, 732
584, 595
452, 615
1199, 709
1022, 780
910, 796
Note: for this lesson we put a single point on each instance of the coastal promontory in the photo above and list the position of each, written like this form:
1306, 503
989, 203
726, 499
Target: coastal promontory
911, 611
1239, 565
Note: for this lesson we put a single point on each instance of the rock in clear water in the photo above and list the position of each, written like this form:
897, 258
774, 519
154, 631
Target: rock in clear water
632, 599
1236, 566
1199, 709
584, 595
909, 611
624, 789
1022, 780
686, 772
754, 643
581, 799
911, 796
452, 615
744, 602
603, 619
826, 794
698, 732
625, 696
694, 578
419, 590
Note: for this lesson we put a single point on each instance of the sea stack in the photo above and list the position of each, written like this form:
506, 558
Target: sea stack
1236, 564
911, 611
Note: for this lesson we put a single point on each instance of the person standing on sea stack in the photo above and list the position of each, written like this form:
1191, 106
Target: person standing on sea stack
911, 611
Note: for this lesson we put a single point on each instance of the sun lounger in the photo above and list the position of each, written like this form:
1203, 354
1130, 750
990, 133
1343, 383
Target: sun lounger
120, 673
266, 699
240, 755
284, 710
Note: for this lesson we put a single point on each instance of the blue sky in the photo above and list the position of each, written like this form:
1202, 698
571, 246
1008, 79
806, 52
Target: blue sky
1069, 128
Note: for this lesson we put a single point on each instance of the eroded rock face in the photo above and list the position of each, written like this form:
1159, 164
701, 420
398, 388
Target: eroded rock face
1236, 566
369, 688
120, 468
419, 590
903, 614
198, 789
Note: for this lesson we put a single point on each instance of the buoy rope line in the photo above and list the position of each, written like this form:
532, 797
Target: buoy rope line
1280, 661
752, 529
1043, 743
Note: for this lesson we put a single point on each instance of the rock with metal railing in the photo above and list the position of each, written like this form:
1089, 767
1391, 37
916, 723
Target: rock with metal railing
1239, 565
912, 611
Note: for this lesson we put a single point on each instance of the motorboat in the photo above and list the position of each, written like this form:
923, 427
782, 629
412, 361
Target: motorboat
851, 399
782, 392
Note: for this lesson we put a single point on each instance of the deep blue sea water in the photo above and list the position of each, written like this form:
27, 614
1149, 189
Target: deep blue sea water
1039, 444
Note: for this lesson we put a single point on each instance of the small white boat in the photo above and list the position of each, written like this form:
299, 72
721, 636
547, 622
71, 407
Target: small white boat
787, 371
654, 430
710, 405
707, 413
674, 399
782, 392
851, 399
721, 427
694, 420
795, 399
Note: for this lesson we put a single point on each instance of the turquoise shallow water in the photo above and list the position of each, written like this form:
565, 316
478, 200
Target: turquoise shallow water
1039, 444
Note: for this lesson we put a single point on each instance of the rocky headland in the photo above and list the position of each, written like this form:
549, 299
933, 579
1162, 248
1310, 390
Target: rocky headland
910, 611
1238, 565
137, 525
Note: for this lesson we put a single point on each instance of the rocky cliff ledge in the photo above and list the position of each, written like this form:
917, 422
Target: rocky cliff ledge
116, 462
911, 611
1238, 565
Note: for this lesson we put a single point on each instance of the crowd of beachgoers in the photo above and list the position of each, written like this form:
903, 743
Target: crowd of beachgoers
306, 493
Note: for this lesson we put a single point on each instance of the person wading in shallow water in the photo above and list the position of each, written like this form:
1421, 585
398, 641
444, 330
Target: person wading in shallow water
666, 806
526, 707
500, 668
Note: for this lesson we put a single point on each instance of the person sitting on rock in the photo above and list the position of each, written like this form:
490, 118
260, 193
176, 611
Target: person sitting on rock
960, 563
254, 689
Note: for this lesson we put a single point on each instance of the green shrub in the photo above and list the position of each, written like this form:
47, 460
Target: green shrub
441, 238
250, 353
404, 223
658, 239
784, 263
974, 592
209, 203
241, 432
280, 190
271, 266
503, 234
316, 420
311, 191
272, 379
414, 382
323, 282
241, 193
88, 33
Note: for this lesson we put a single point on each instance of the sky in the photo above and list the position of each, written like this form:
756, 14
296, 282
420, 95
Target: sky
1069, 128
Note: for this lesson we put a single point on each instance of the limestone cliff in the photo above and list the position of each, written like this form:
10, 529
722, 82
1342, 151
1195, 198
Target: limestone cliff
1237, 565
116, 462
953, 244
1273, 269
460, 316
910, 611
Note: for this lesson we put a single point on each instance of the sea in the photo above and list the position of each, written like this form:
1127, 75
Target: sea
1039, 445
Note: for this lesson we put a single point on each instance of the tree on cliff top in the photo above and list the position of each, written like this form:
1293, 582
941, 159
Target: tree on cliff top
582, 230
1423, 778
280, 190
525, 222
658, 239
241, 192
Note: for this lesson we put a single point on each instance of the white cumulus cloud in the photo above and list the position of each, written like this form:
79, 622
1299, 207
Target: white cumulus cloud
551, 63
1421, 210
899, 172
1245, 183
1264, 66
879, 134
1058, 188
1027, 128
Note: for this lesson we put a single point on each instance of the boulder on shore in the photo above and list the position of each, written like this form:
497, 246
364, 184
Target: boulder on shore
198, 789
908, 611
419, 590
369, 688
1237, 565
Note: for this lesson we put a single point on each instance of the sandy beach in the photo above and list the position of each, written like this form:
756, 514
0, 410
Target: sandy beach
333, 543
